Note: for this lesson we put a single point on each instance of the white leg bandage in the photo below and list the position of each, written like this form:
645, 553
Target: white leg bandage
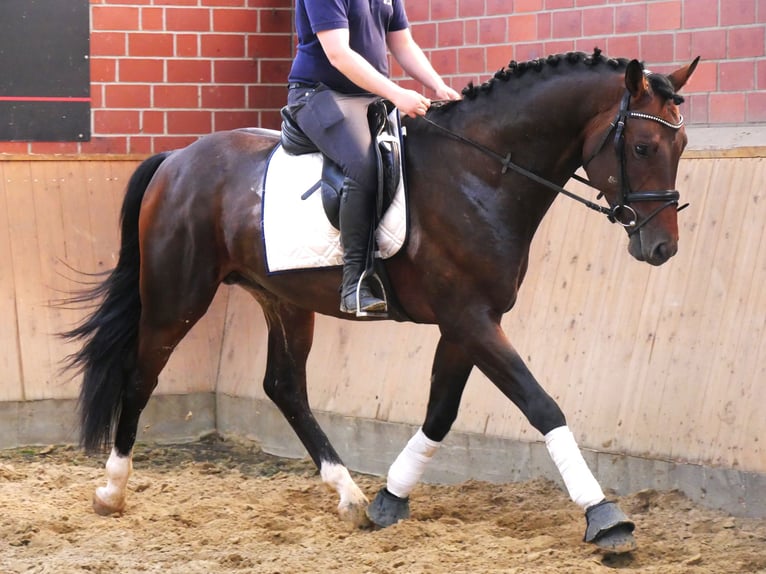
581, 484
118, 469
409, 466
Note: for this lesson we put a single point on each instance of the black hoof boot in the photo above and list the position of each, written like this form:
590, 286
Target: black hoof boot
609, 528
388, 509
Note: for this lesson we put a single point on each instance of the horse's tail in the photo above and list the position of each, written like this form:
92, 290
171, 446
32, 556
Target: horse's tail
109, 334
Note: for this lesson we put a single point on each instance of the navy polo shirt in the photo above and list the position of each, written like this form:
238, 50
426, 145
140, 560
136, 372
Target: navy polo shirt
368, 21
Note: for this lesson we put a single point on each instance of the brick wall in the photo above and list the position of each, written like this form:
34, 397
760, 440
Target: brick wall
164, 72
470, 39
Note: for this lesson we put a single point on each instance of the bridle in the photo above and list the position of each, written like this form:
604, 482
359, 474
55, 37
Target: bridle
617, 212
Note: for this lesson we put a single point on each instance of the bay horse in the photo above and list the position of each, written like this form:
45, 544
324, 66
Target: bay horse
481, 173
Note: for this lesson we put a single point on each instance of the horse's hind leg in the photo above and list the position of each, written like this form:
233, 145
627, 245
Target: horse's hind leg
167, 316
291, 332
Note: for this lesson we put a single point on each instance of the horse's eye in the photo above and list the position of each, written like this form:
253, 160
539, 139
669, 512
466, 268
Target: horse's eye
642, 150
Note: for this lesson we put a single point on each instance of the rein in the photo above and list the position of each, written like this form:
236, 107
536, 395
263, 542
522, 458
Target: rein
626, 196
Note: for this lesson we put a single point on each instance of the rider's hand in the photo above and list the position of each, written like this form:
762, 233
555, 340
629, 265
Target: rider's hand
412, 103
444, 92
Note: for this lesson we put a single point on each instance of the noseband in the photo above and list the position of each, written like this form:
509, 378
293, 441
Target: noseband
625, 196
621, 208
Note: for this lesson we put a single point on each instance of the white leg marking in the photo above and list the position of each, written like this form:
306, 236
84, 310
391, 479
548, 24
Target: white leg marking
582, 486
353, 502
111, 498
410, 465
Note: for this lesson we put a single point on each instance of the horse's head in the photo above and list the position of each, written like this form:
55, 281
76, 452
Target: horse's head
632, 156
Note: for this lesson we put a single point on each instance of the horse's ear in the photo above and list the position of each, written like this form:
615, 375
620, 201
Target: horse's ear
635, 79
682, 75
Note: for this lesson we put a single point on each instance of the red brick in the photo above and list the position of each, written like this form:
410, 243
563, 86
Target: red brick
272, 21
630, 18
559, 46
683, 46
498, 57
556, 4
150, 44
108, 44
529, 51
223, 97
187, 19
762, 11
152, 122
443, 10
736, 76
266, 96
235, 72
140, 70
709, 44
727, 108
700, 14
127, 96
696, 108
527, 6
471, 32
466, 8
189, 122
623, 46
522, 28
222, 45
261, 46
189, 71
756, 107
181, 2
273, 71
116, 122
270, 119
53, 148
704, 79
735, 12
588, 44
270, 3
13, 148
444, 61
140, 145
187, 45
103, 70
470, 60
234, 120
567, 24
234, 3
657, 47
450, 34
96, 95
544, 26
598, 21
664, 15
152, 19
591, 2
424, 35
420, 11
176, 96
761, 72
241, 21
105, 144
169, 143
498, 7
747, 42
113, 18
493, 30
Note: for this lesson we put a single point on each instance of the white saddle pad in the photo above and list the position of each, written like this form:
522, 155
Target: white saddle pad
296, 232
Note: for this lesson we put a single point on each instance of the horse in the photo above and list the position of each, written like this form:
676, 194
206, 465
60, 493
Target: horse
481, 174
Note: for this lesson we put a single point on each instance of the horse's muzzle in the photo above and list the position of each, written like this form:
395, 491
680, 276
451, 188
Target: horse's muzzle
654, 251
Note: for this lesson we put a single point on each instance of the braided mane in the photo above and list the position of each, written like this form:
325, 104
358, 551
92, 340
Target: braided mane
659, 83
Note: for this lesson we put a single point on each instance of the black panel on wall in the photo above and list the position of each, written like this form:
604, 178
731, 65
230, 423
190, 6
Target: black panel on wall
44, 70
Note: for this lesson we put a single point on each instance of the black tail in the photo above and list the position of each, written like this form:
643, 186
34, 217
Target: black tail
109, 334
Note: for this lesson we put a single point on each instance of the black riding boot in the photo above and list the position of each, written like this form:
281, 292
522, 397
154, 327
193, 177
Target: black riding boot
356, 215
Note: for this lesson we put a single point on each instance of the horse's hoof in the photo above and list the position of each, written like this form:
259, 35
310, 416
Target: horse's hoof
355, 514
609, 528
103, 508
388, 509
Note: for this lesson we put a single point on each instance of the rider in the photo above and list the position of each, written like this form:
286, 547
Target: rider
341, 66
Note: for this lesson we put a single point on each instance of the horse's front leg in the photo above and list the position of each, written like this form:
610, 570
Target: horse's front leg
449, 374
607, 526
291, 332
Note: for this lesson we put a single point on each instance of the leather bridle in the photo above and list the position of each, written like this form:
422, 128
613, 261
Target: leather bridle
621, 208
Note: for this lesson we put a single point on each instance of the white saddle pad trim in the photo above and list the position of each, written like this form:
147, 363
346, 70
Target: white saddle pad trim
296, 232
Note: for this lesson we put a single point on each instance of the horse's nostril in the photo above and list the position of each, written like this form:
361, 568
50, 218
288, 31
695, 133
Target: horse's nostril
664, 251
